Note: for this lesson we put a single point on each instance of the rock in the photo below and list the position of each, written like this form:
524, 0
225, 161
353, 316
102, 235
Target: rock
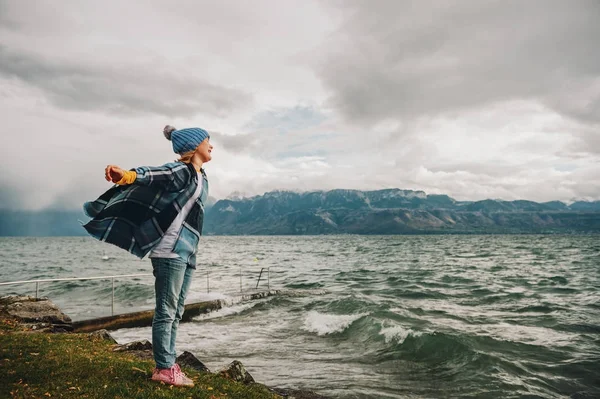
187, 359
102, 335
142, 345
8, 300
61, 328
47, 327
41, 311
237, 372
140, 349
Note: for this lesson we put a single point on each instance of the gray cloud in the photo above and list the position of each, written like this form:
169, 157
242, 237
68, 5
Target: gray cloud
7, 19
402, 59
235, 143
122, 89
275, 131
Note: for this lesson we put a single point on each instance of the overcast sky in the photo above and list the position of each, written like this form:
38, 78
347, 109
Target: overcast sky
474, 99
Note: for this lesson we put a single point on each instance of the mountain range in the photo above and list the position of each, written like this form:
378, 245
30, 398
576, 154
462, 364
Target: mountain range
389, 211
394, 211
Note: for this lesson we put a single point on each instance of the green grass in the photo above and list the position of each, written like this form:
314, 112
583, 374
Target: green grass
43, 365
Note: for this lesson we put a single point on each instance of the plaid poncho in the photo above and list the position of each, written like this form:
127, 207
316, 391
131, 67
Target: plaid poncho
135, 217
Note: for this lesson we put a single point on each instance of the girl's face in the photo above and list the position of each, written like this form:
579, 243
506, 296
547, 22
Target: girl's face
204, 150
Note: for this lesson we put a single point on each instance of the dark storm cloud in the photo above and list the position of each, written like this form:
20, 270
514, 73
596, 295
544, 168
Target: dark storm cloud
397, 59
120, 89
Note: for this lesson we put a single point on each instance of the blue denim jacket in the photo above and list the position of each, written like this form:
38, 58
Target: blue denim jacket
135, 217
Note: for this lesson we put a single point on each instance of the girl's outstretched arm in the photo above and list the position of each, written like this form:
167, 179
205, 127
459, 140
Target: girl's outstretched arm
172, 176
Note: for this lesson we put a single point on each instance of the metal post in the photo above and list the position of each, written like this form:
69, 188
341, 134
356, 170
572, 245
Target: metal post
112, 305
37, 289
207, 283
259, 276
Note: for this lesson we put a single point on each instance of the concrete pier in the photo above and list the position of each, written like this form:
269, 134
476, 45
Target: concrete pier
144, 318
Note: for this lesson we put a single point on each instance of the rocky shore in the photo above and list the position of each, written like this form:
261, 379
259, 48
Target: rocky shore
43, 316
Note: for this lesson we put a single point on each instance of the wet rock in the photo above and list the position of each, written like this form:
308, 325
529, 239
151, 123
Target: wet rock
8, 300
143, 345
237, 372
48, 327
102, 335
59, 329
36, 313
187, 359
140, 349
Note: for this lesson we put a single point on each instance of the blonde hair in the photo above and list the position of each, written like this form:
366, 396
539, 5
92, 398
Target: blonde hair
187, 157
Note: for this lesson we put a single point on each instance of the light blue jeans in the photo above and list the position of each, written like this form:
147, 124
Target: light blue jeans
173, 278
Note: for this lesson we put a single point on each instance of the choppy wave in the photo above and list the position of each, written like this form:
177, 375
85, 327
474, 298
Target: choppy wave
226, 311
324, 324
395, 333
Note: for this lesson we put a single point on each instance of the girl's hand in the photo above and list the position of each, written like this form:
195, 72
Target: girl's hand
113, 173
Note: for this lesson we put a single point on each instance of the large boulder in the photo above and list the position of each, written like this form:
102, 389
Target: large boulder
102, 335
187, 359
140, 349
237, 372
143, 345
38, 312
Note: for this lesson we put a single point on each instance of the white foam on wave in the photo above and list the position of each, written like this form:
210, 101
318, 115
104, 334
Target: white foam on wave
202, 296
323, 323
394, 333
225, 311
301, 292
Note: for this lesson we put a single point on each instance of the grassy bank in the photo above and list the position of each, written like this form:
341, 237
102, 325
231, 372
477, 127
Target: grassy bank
43, 365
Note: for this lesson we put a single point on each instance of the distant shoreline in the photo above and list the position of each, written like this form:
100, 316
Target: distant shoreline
558, 233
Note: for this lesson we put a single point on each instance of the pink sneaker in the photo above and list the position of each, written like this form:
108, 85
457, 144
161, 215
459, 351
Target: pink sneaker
173, 376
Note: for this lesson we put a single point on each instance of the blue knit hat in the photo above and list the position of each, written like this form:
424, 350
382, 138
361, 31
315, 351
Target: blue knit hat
185, 140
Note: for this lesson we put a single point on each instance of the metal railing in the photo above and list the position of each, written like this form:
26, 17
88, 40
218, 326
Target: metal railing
268, 277
51, 280
241, 279
112, 278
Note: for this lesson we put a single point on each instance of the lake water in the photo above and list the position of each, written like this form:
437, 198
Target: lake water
364, 316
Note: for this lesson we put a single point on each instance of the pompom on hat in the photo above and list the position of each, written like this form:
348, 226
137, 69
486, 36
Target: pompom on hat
185, 140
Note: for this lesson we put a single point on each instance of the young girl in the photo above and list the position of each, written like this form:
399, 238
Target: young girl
159, 211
